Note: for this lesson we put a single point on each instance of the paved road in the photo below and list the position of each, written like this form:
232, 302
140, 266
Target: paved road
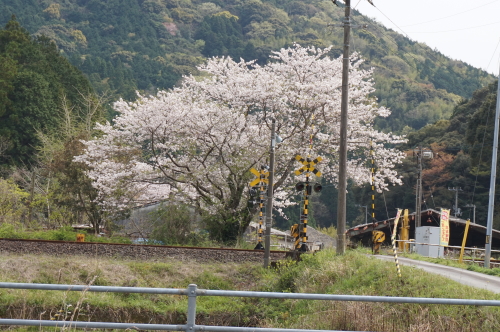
465, 277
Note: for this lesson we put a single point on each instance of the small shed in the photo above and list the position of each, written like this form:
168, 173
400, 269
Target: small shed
430, 217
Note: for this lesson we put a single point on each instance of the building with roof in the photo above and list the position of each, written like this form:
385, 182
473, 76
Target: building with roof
430, 217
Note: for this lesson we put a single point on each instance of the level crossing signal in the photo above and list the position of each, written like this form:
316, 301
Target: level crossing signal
299, 232
308, 165
262, 176
260, 183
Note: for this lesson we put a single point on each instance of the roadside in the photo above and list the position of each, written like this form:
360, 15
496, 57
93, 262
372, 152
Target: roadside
465, 277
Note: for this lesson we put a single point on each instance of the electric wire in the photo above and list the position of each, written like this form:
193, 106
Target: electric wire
443, 18
461, 29
428, 51
432, 196
407, 36
493, 55
356, 4
480, 154
380, 29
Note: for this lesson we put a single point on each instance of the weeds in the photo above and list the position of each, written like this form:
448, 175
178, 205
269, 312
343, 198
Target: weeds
323, 272
66, 233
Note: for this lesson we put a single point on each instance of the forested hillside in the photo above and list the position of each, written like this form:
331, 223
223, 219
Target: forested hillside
462, 148
46, 107
129, 45
144, 45
34, 77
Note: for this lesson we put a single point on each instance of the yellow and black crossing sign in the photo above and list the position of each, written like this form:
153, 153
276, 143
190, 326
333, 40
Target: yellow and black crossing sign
261, 181
308, 165
262, 176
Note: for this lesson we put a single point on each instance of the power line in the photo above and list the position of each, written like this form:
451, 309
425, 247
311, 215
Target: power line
427, 50
443, 18
380, 28
481, 152
407, 36
493, 55
462, 29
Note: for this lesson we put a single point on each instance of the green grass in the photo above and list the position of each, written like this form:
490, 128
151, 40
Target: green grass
11, 231
323, 272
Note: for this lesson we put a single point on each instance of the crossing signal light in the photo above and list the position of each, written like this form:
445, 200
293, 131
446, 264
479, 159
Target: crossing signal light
253, 192
317, 187
300, 186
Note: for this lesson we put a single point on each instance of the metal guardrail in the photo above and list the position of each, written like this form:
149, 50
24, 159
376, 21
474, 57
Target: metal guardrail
439, 245
192, 292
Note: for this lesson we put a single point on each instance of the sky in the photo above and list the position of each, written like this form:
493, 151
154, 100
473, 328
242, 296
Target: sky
459, 29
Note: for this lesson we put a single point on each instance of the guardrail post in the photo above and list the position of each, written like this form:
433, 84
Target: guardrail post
191, 314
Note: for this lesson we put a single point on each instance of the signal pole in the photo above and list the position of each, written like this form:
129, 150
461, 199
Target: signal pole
418, 203
270, 191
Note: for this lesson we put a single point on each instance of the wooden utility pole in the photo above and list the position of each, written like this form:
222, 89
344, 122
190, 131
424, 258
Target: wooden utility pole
341, 204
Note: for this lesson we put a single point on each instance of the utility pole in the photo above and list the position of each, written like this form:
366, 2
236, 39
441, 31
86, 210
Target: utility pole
456, 210
270, 191
493, 177
341, 203
418, 202
473, 206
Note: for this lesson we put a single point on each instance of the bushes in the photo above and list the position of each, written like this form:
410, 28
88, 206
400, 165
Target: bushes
66, 233
12, 202
172, 225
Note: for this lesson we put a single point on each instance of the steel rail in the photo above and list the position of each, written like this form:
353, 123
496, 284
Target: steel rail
136, 245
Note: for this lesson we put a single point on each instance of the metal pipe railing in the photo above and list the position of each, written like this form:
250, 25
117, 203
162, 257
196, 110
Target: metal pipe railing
438, 245
192, 292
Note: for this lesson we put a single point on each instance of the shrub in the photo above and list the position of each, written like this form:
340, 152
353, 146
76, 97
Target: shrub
172, 225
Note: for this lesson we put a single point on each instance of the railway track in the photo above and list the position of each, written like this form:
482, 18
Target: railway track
135, 251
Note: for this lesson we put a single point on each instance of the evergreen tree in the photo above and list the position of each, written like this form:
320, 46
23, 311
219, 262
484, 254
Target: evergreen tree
31, 85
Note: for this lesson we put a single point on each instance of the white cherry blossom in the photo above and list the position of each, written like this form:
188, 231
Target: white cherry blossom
197, 143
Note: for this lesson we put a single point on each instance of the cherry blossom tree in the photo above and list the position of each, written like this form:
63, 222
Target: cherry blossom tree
197, 143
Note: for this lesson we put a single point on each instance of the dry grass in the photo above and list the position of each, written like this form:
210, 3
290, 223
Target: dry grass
324, 272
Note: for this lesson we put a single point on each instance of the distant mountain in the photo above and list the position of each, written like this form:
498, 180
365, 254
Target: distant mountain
128, 45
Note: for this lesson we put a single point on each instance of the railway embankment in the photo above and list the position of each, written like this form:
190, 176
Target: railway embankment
134, 251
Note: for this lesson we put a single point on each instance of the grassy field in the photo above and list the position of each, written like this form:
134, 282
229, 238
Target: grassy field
324, 272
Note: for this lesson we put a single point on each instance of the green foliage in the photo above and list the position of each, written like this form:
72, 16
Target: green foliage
173, 225
330, 231
322, 273
12, 202
462, 158
222, 228
123, 46
17, 231
35, 77
8, 231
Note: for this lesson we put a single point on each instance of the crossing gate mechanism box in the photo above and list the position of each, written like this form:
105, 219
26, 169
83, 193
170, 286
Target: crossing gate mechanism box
427, 242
